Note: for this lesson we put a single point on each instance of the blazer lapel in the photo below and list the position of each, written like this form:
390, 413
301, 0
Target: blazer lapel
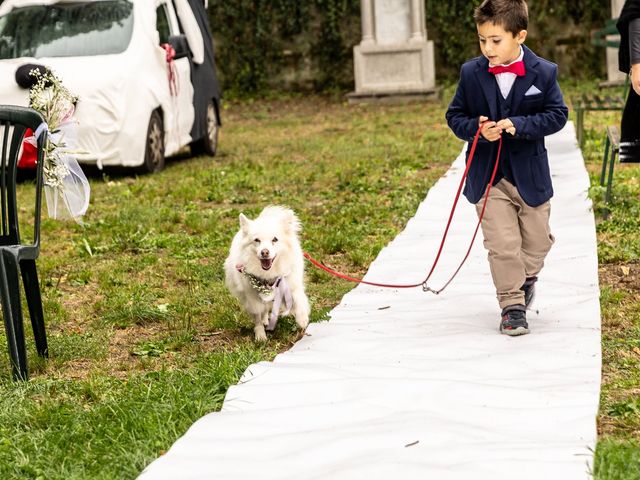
522, 84
489, 87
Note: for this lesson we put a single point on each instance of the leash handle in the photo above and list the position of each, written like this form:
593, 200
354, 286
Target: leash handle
423, 283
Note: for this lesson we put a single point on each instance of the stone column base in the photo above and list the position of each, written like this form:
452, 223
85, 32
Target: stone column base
394, 69
404, 96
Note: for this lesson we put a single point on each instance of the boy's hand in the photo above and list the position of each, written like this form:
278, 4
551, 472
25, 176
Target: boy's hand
490, 131
507, 126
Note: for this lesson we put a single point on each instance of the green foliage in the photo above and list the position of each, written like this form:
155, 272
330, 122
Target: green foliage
450, 25
580, 11
284, 44
628, 409
617, 460
563, 34
256, 38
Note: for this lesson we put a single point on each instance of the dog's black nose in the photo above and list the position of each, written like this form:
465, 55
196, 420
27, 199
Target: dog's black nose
264, 253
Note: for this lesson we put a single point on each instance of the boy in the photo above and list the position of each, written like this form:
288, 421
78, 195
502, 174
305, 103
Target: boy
510, 89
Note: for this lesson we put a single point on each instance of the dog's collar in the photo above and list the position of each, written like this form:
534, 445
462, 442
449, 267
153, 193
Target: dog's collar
260, 285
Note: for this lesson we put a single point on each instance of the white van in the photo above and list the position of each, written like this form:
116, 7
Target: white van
136, 104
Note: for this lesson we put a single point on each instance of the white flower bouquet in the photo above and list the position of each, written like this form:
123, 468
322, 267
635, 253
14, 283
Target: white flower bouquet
66, 187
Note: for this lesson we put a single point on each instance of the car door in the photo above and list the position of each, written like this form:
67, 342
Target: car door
180, 118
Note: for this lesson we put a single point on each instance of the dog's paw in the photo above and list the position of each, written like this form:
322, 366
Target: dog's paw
302, 321
260, 335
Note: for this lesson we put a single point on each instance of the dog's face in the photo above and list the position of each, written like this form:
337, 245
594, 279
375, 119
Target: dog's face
269, 237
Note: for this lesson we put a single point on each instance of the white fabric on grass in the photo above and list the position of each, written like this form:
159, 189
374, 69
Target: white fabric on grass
403, 384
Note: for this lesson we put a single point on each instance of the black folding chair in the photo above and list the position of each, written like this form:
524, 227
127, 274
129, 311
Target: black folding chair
17, 258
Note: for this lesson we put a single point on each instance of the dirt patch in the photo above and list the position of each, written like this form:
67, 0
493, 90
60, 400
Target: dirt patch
140, 349
624, 276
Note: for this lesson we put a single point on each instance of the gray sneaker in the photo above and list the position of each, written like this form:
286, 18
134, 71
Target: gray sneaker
529, 289
514, 320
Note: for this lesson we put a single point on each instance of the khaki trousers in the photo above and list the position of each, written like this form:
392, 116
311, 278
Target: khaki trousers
517, 237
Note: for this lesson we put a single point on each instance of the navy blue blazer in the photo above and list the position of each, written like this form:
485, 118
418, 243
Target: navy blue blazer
539, 113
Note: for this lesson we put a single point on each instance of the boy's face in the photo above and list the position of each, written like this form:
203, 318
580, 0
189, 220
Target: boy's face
498, 45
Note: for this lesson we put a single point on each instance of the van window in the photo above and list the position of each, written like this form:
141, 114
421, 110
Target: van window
162, 24
66, 29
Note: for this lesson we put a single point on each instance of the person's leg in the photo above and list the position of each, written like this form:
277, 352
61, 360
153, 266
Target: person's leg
630, 129
501, 229
535, 233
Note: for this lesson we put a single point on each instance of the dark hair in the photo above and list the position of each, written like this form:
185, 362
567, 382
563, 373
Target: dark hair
512, 15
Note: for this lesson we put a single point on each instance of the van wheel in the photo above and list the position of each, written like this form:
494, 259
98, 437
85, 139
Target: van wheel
209, 143
154, 149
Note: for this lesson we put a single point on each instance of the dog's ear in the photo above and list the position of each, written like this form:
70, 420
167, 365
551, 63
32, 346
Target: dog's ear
244, 223
291, 222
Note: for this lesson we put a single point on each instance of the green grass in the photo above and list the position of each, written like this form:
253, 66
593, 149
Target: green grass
617, 459
104, 427
144, 337
617, 455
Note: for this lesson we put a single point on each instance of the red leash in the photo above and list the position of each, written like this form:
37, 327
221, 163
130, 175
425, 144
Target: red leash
423, 284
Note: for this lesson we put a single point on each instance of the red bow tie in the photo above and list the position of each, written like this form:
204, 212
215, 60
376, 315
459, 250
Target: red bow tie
516, 67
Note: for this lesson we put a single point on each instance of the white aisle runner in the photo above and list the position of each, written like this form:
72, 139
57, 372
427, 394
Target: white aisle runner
407, 385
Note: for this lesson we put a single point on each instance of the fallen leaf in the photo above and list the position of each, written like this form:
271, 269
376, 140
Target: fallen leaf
625, 270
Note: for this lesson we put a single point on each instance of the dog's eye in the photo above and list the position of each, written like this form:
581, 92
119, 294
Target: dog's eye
274, 240
256, 240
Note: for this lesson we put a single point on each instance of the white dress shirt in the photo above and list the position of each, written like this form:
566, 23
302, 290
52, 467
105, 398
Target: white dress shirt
505, 80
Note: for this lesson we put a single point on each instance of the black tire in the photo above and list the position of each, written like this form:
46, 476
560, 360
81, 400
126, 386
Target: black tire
154, 148
208, 145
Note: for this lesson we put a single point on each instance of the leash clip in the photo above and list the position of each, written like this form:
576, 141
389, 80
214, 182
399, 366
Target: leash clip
426, 288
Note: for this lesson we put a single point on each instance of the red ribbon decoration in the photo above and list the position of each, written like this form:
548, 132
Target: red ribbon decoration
170, 54
28, 158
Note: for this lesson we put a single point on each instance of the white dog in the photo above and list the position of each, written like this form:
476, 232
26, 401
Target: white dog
265, 268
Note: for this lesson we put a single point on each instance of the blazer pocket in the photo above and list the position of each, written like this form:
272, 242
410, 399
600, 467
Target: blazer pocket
540, 172
532, 104
533, 100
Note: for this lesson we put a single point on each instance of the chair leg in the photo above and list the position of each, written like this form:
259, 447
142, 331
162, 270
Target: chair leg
607, 146
580, 125
34, 302
12, 310
607, 197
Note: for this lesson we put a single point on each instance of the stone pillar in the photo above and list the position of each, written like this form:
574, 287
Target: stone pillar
613, 74
394, 58
418, 30
366, 9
